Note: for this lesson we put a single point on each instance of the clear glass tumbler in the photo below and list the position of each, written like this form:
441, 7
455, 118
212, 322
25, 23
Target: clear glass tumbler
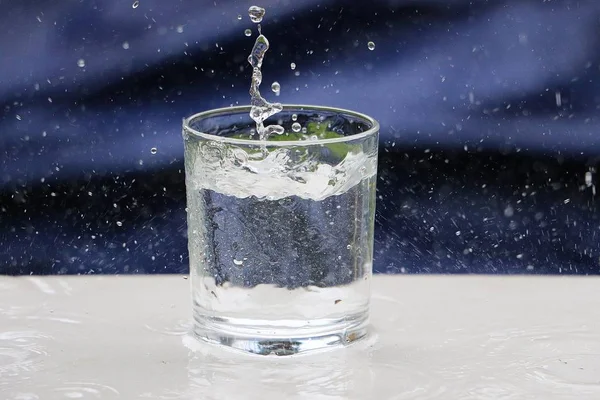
280, 232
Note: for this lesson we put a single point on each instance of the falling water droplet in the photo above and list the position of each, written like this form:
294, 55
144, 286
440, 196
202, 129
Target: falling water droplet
588, 179
296, 127
248, 32
371, 46
275, 87
294, 117
256, 14
293, 66
81, 63
153, 150
135, 4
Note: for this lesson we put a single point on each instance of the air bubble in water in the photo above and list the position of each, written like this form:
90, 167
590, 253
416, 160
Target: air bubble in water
239, 17
296, 127
275, 87
314, 137
119, 223
371, 46
304, 130
180, 29
125, 45
248, 32
293, 66
81, 63
135, 4
153, 150
238, 262
294, 117
256, 14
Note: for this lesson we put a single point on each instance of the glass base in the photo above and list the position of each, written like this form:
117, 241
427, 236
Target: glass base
280, 338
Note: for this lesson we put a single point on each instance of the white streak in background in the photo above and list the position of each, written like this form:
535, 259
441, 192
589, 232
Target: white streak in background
42, 286
558, 96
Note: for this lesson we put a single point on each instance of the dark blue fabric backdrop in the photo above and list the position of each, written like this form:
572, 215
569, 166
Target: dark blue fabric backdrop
489, 115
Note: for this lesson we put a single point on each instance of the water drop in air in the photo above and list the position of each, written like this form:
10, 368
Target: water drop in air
275, 87
135, 4
256, 14
153, 150
248, 32
296, 127
294, 117
293, 66
81, 63
371, 46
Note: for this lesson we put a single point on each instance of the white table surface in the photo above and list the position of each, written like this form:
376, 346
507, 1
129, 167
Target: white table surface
433, 337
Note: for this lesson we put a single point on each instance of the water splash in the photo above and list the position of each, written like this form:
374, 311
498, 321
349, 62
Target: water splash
261, 108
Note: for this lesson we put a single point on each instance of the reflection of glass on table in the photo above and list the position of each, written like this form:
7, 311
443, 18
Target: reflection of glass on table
280, 233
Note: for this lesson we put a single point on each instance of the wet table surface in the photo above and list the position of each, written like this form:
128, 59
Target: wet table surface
433, 337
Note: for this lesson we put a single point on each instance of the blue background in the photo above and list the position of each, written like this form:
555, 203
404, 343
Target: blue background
489, 115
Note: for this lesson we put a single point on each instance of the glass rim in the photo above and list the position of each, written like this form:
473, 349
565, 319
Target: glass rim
374, 126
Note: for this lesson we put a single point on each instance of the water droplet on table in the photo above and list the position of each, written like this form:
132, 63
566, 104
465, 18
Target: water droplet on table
256, 14
81, 63
296, 127
371, 46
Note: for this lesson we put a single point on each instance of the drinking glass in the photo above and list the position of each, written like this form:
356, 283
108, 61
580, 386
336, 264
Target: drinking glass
280, 231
